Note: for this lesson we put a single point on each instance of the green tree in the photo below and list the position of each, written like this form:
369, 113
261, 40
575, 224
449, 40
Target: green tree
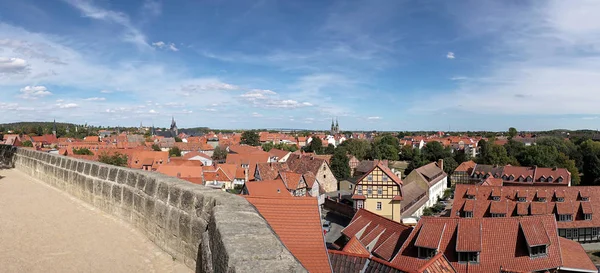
250, 138
450, 165
178, 139
340, 165
175, 152
359, 148
406, 153
590, 151
116, 159
286, 147
512, 132
268, 146
539, 155
416, 162
82, 151
385, 151
495, 155
39, 131
219, 154
315, 146
155, 147
434, 150
329, 150
514, 148
27, 143
461, 156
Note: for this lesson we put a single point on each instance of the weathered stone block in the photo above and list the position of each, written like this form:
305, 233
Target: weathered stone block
198, 226
140, 183
80, 165
122, 176
112, 173
106, 187
89, 183
94, 170
132, 178
174, 195
162, 191
97, 187
103, 172
87, 167
187, 201
127, 197
117, 194
185, 228
138, 203
150, 186
161, 212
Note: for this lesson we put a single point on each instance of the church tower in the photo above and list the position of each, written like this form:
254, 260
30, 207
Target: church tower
174, 130
54, 128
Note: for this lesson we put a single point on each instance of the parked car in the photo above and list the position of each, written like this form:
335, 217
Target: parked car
326, 226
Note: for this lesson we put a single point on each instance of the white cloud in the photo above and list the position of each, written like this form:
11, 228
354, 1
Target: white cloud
190, 89
374, 118
450, 55
256, 115
163, 45
67, 105
270, 99
34, 92
209, 110
12, 65
459, 78
159, 44
106, 91
95, 99
259, 94
131, 35
60, 100
152, 111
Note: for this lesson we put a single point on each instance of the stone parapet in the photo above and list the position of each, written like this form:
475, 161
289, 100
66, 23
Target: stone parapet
209, 230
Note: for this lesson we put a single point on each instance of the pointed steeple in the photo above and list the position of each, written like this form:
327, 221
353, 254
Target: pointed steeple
54, 128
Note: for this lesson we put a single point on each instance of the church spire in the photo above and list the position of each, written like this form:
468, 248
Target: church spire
54, 128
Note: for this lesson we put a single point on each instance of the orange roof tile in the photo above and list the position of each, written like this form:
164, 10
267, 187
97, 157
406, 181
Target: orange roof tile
356, 247
573, 256
273, 188
304, 241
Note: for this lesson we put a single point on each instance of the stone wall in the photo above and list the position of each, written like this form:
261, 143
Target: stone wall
209, 230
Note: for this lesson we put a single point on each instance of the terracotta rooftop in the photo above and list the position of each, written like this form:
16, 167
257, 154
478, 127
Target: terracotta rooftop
500, 234
483, 203
304, 241
273, 188
572, 258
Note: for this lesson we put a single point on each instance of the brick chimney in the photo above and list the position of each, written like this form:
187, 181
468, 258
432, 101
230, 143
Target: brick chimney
441, 164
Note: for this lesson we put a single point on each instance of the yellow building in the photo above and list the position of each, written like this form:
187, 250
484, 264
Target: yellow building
378, 191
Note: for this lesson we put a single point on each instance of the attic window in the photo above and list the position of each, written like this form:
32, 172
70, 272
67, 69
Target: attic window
541, 199
587, 216
426, 253
565, 217
511, 177
505, 177
470, 196
384, 178
549, 179
522, 199
495, 215
559, 180
585, 199
521, 179
560, 199
468, 214
538, 251
370, 178
529, 179
468, 257
496, 198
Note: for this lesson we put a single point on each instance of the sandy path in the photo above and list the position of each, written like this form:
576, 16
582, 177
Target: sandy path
45, 230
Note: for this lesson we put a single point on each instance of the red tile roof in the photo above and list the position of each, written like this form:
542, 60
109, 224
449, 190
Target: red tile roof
466, 166
468, 237
291, 179
534, 231
304, 241
181, 171
437, 264
388, 235
347, 262
500, 235
483, 203
248, 159
271, 188
270, 170
572, 256
356, 247
278, 153
430, 235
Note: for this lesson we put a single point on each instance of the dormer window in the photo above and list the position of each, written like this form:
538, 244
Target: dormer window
585, 199
496, 198
549, 179
505, 177
511, 177
543, 179
468, 214
565, 217
495, 215
587, 216
468, 257
529, 179
541, 199
559, 180
520, 179
521, 199
538, 251
470, 196
426, 253
560, 199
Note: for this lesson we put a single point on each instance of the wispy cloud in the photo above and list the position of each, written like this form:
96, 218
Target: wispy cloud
12, 65
95, 99
374, 118
450, 55
152, 7
67, 105
131, 33
34, 92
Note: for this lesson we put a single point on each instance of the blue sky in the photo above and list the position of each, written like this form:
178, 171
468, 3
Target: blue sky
374, 64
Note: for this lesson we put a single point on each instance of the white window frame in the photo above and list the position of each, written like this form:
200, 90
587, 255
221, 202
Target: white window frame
379, 205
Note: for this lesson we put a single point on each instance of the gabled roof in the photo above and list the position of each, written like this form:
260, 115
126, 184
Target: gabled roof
270, 170
501, 234
534, 231
304, 241
430, 235
248, 159
278, 153
572, 258
466, 166
469, 235
290, 179
369, 227
273, 188
347, 262
431, 172
356, 247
